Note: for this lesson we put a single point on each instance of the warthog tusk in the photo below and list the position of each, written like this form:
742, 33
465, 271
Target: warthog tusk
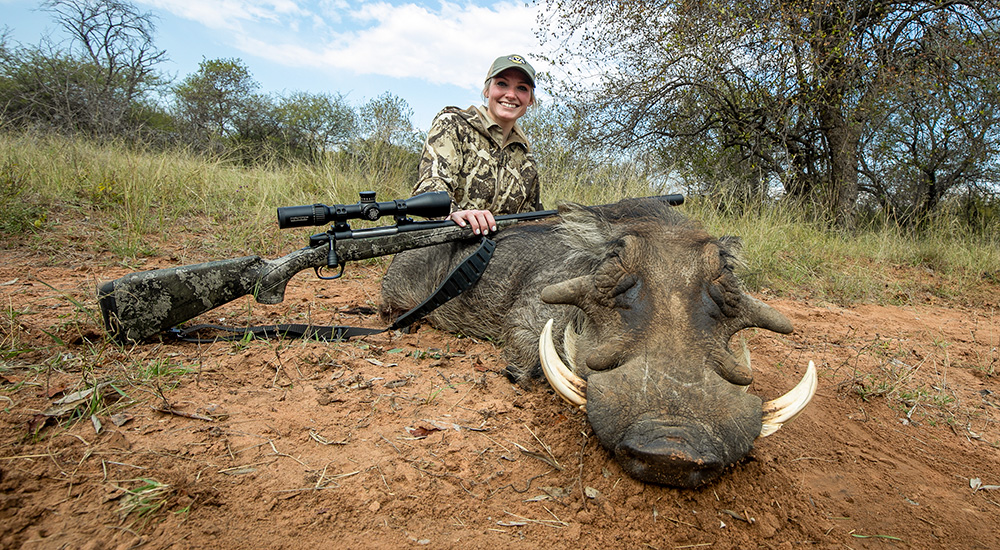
781, 410
569, 345
568, 385
746, 359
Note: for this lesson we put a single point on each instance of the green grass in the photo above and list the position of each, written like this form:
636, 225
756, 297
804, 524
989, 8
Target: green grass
128, 195
144, 499
793, 256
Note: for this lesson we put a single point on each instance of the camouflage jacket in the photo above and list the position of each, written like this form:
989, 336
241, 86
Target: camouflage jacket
465, 157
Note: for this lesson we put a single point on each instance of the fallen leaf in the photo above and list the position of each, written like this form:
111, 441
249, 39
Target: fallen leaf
977, 485
175, 412
120, 419
54, 391
421, 432
556, 492
548, 460
38, 422
64, 409
443, 425
79, 396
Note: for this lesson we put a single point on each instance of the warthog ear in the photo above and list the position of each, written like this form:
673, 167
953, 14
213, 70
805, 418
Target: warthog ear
584, 230
732, 244
567, 207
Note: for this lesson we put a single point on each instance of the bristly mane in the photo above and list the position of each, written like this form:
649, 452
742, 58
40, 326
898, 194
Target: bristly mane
587, 230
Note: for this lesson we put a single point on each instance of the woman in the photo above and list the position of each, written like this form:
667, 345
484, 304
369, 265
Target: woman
480, 155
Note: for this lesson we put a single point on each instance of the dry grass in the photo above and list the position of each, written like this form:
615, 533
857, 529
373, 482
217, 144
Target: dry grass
128, 195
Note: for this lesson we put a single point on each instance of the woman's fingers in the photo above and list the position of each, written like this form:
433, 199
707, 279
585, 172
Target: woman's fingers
481, 221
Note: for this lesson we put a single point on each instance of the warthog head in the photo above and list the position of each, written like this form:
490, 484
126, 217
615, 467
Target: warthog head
647, 354
643, 305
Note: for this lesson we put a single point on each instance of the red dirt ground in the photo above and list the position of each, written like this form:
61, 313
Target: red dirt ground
418, 440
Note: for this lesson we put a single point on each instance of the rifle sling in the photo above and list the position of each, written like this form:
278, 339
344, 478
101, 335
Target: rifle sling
460, 279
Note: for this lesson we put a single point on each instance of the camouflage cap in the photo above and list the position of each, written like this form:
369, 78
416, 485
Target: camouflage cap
512, 61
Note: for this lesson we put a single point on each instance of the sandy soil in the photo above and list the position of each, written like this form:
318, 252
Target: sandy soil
418, 440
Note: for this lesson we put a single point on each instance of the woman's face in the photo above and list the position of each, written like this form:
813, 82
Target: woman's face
508, 96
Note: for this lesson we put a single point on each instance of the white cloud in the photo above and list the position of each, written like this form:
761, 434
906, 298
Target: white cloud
229, 14
439, 42
452, 45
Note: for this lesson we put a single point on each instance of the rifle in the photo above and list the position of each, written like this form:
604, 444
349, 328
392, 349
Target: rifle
139, 305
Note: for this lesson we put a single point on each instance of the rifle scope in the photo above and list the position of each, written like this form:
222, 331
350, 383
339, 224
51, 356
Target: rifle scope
427, 205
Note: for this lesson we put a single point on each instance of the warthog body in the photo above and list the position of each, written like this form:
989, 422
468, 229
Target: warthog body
650, 301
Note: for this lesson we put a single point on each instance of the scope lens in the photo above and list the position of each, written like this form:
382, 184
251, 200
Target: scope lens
301, 216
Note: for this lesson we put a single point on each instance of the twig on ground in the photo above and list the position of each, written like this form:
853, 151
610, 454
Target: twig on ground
273, 448
546, 459
556, 523
169, 410
548, 449
324, 441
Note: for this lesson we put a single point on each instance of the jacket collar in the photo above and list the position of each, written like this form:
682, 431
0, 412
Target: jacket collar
488, 126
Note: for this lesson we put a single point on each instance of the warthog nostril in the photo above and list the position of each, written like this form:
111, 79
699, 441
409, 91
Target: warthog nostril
668, 459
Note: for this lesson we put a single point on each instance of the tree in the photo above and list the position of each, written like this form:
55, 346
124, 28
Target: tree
116, 41
42, 87
939, 130
387, 148
213, 99
316, 123
98, 82
789, 87
564, 159
386, 119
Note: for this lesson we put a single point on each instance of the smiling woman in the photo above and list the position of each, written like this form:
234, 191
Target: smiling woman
480, 155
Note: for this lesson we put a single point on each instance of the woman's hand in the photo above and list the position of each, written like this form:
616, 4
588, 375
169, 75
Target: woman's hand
481, 221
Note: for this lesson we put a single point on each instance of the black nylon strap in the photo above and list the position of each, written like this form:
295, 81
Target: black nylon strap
460, 279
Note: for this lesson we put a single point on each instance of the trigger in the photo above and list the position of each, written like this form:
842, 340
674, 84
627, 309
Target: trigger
337, 276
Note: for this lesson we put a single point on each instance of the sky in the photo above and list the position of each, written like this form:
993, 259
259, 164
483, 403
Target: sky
429, 53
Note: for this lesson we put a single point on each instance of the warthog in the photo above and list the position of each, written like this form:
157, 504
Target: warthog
643, 303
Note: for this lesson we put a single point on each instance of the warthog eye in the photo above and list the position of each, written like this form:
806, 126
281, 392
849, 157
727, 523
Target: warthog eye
724, 296
725, 288
626, 292
626, 282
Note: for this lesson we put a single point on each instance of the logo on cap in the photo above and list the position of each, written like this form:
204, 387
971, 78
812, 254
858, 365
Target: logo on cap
516, 59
